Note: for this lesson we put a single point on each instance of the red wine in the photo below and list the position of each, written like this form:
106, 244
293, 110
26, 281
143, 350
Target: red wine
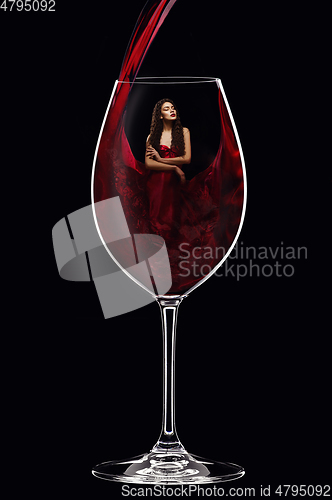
200, 219
147, 26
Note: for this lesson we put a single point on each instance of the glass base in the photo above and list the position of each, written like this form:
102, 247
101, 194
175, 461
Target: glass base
168, 467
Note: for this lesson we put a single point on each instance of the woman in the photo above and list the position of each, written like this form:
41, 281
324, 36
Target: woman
168, 147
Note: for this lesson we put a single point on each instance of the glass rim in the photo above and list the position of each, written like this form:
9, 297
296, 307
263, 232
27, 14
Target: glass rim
167, 80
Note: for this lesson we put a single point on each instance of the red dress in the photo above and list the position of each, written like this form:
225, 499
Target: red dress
194, 218
184, 215
163, 190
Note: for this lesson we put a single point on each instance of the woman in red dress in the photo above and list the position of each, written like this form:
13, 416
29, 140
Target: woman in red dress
168, 147
157, 198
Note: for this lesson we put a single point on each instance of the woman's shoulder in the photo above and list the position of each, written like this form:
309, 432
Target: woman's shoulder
186, 130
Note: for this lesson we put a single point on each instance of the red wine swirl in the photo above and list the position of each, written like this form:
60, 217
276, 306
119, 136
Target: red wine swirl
201, 217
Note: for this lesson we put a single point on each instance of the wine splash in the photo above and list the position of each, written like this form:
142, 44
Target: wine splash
214, 197
113, 138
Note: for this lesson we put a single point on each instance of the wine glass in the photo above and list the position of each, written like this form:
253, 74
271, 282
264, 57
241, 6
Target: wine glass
168, 226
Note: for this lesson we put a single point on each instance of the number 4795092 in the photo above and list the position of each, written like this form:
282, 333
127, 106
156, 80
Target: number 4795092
27, 5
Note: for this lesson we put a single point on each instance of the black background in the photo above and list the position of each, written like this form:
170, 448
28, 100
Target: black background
251, 353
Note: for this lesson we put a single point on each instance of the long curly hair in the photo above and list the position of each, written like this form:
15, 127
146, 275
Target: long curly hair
156, 128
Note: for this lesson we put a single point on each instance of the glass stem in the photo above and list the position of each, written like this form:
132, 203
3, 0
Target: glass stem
168, 439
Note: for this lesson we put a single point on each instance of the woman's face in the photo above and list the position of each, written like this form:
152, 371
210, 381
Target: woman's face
168, 111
